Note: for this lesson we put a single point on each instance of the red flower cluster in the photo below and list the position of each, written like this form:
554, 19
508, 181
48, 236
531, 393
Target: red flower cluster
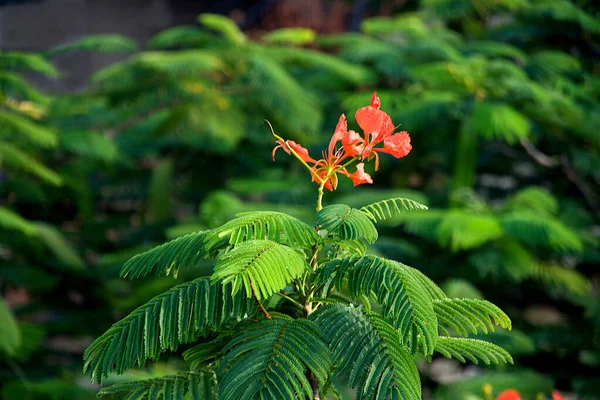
377, 128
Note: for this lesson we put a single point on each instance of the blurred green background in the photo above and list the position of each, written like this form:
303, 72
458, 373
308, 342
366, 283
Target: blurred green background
502, 101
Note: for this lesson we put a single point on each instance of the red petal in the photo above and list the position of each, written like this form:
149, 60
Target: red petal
301, 151
509, 394
375, 100
353, 143
340, 130
360, 176
397, 145
369, 119
557, 396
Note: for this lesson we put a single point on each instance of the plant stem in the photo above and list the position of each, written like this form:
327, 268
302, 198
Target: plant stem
290, 299
262, 308
308, 306
320, 198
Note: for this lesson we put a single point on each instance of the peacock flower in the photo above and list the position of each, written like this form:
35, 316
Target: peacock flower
509, 394
378, 128
330, 165
557, 396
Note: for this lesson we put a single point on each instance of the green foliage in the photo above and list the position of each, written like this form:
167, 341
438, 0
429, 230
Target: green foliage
267, 265
473, 349
370, 351
198, 385
270, 359
9, 331
345, 223
108, 43
388, 209
285, 355
459, 314
179, 315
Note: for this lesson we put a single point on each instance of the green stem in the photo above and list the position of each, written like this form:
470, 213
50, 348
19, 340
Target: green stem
320, 198
283, 295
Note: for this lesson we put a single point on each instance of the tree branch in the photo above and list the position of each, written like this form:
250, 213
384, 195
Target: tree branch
538, 156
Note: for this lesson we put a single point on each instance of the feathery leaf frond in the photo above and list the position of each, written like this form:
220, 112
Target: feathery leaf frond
179, 315
262, 266
35, 133
205, 352
223, 25
550, 232
473, 349
9, 331
110, 43
11, 156
399, 289
343, 222
197, 385
17, 61
13, 221
269, 360
370, 351
167, 258
264, 225
388, 209
463, 314
180, 36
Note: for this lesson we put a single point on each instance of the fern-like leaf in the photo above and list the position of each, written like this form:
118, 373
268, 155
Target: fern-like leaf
110, 43
35, 133
264, 225
9, 331
474, 349
343, 222
179, 315
167, 258
205, 353
371, 352
12, 157
197, 385
18, 61
269, 360
263, 267
223, 25
388, 209
405, 295
10, 220
537, 231
463, 314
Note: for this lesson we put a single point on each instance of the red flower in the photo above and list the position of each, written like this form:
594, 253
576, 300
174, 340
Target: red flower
378, 128
509, 394
360, 176
557, 396
331, 164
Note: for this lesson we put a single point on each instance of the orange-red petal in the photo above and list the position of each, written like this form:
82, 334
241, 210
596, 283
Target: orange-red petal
360, 176
370, 119
557, 396
340, 130
353, 143
397, 145
509, 394
375, 100
301, 151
